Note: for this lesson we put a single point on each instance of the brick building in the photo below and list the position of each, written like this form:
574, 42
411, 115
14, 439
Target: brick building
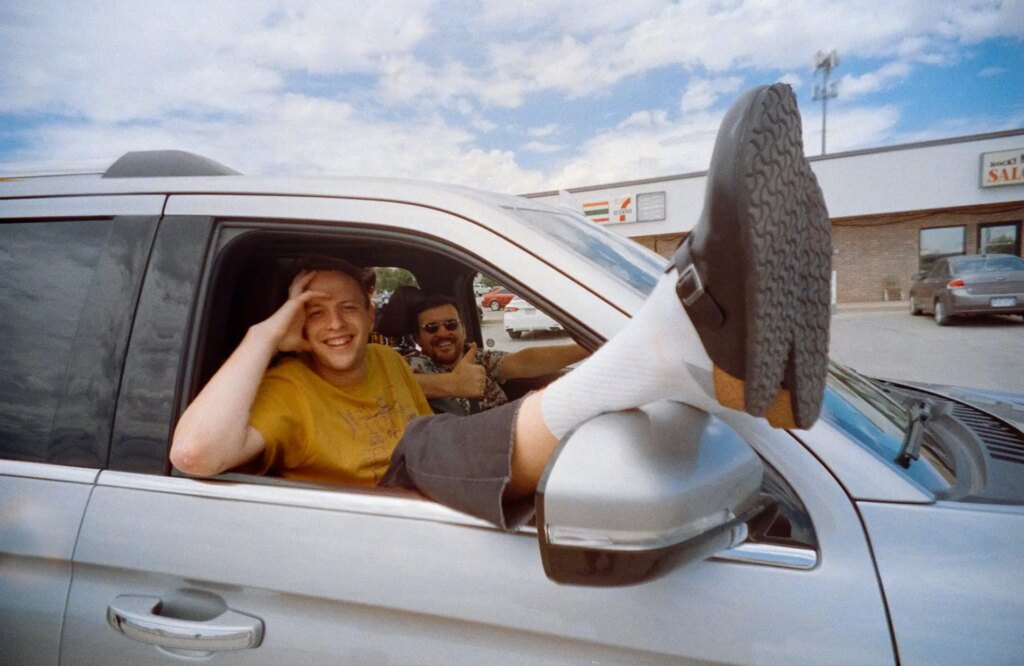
894, 210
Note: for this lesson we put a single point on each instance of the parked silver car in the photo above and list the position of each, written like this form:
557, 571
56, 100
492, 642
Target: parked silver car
969, 285
890, 532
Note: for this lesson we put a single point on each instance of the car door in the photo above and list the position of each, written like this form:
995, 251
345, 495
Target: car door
257, 571
68, 267
933, 283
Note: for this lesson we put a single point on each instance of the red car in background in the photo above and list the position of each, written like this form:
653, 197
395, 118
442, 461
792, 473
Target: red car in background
497, 298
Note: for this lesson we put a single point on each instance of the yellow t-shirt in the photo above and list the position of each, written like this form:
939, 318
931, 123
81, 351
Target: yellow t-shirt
315, 431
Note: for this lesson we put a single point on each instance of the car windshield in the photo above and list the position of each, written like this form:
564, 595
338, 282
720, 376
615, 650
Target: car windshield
868, 415
987, 264
629, 262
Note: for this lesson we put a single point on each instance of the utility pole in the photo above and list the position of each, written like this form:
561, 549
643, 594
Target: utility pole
825, 62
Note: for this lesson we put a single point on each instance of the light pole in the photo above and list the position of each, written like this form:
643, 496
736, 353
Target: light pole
825, 62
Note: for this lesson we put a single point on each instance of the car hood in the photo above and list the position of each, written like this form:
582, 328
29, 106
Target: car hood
992, 430
1008, 407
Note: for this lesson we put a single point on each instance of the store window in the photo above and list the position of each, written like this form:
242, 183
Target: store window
999, 238
939, 243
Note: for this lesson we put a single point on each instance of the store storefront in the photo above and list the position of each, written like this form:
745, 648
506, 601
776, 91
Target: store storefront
894, 210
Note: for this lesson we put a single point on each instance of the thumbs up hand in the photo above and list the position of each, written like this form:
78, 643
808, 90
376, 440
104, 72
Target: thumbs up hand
469, 377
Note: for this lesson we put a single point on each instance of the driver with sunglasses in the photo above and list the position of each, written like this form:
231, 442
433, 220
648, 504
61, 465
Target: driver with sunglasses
446, 367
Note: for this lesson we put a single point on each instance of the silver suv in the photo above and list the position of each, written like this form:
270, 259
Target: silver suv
892, 531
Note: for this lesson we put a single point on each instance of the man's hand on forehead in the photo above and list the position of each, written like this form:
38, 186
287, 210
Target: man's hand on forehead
299, 283
286, 324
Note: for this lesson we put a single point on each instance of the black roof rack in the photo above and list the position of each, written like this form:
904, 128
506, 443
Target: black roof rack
165, 163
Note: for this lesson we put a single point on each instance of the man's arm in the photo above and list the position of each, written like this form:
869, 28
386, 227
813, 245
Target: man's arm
466, 380
213, 433
538, 361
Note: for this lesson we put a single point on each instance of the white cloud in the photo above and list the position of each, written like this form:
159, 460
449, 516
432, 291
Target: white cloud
297, 136
988, 72
542, 131
851, 128
482, 125
852, 86
646, 145
122, 60
326, 88
703, 93
793, 79
645, 118
541, 147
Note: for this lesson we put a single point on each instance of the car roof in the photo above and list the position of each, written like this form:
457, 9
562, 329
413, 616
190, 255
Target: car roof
490, 209
145, 173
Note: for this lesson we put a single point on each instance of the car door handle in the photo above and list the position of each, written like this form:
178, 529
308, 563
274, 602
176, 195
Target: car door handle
136, 617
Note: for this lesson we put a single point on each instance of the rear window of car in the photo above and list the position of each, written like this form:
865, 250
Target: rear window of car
1005, 264
985, 264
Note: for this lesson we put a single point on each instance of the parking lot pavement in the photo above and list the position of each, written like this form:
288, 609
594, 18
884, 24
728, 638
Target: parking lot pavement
886, 342
883, 340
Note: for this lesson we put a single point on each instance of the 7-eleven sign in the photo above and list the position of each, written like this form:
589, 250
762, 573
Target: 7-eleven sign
615, 209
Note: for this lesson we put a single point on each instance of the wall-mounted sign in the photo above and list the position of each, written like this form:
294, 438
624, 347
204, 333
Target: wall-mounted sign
627, 208
622, 209
1005, 167
614, 209
596, 210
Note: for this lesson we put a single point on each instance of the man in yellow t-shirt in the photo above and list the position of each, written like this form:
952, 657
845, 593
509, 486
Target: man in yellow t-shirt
346, 411
295, 409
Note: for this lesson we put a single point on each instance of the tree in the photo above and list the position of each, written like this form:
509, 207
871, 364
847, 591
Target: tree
389, 279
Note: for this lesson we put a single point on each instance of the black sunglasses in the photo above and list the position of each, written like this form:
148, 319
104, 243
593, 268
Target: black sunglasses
435, 326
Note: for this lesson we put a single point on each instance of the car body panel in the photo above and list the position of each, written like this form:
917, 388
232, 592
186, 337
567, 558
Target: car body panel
58, 207
865, 474
42, 510
444, 589
496, 299
948, 603
1001, 404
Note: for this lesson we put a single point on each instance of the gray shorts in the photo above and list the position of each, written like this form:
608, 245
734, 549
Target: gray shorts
463, 462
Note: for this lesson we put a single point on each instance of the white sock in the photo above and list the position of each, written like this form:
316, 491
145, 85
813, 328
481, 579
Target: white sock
657, 355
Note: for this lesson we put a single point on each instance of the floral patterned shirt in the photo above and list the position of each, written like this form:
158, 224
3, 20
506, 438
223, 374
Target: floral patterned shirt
491, 361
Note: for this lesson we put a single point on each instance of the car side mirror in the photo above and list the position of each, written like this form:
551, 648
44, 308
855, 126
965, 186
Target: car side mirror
918, 277
629, 496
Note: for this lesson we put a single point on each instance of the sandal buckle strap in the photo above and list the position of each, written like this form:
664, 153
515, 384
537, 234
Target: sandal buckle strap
699, 304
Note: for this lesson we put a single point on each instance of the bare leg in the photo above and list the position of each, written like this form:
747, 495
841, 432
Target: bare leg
532, 446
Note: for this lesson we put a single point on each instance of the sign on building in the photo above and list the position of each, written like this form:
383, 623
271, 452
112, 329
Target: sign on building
597, 211
627, 208
1005, 167
614, 209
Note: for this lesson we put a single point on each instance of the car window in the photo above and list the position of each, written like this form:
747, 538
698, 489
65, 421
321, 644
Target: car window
969, 266
1004, 264
46, 269
629, 262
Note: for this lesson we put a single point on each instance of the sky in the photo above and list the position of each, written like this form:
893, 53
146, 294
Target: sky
515, 97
